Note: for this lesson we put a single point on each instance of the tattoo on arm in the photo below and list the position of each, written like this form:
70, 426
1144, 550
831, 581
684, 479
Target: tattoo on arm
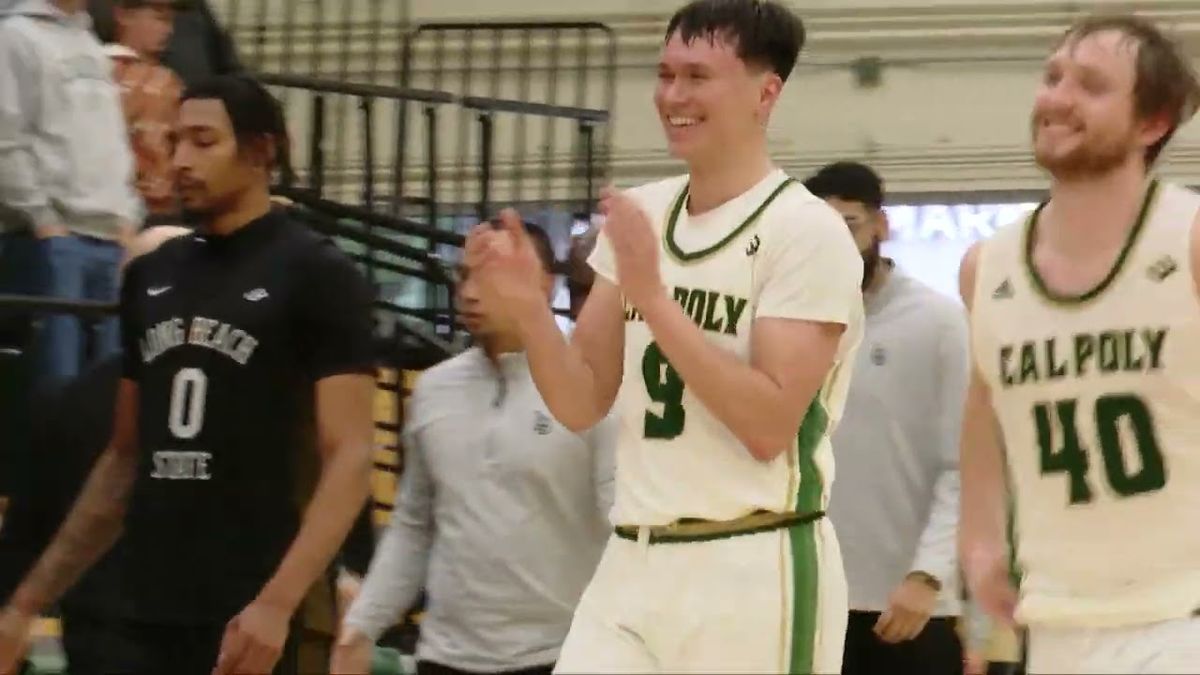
90, 530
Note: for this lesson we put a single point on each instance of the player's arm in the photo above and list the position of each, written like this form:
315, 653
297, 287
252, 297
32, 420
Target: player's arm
337, 329
94, 522
810, 290
344, 433
333, 327
578, 378
982, 533
96, 519
762, 402
398, 570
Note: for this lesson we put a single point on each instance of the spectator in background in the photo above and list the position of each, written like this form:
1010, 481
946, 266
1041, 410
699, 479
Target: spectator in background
580, 275
66, 173
895, 500
198, 47
150, 95
501, 512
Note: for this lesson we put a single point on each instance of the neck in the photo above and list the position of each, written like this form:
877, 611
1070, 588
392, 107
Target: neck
68, 6
883, 270
128, 44
251, 206
1090, 214
715, 182
495, 345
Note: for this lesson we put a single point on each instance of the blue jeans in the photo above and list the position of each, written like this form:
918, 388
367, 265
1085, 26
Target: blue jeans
67, 268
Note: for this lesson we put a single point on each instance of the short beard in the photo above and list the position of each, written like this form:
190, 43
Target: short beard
871, 260
1086, 161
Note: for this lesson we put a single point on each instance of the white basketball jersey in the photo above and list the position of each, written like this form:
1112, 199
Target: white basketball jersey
1098, 397
774, 251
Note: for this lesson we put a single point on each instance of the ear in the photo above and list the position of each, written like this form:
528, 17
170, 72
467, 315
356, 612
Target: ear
1154, 128
770, 89
262, 152
883, 226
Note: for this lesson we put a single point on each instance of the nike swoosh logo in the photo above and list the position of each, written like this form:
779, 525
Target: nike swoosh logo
157, 291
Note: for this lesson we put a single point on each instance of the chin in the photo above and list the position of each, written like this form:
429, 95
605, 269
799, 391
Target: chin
683, 150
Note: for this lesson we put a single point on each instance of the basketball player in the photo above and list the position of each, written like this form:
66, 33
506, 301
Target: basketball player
722, 322
1085, 323
236, 344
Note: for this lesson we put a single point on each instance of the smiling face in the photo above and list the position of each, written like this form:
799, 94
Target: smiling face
708, 99
1085, 119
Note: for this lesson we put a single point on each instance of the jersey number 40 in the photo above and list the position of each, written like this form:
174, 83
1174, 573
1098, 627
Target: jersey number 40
1072, 458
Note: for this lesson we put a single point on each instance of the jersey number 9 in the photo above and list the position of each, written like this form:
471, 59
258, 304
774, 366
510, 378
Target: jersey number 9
1072, 458
665, 387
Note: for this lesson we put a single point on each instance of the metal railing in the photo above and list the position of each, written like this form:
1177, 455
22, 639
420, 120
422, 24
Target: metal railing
555, 65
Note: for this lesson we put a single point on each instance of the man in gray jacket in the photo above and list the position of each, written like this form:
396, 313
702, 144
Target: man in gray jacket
501, 513
67, 200
895, 496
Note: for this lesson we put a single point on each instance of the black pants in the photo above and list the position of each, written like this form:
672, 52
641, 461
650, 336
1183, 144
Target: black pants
431, 668
936, 651
105, 647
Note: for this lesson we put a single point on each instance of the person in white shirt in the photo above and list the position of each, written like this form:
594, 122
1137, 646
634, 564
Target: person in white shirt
501, 512
895, 499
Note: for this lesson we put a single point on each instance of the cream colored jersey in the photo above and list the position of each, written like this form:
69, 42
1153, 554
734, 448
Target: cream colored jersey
1098, 397
774, 251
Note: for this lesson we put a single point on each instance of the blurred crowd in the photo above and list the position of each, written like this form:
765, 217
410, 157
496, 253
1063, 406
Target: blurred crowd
89, 92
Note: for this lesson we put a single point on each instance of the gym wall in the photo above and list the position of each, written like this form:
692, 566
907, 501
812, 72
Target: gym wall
935, 93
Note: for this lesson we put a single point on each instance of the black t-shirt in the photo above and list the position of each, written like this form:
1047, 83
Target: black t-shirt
226, 338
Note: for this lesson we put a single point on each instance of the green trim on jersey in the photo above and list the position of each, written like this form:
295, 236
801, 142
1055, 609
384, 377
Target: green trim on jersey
803, 538
677, 208
813, 428
805, 577
1039, 284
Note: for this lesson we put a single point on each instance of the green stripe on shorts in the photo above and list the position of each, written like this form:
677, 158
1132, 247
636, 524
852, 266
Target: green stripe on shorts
804, 600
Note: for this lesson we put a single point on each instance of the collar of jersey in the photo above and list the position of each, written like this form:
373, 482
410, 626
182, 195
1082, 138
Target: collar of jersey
1045, 291
249, 233
692, 256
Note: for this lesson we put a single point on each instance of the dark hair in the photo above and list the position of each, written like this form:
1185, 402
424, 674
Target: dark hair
1165, 81
541, 243
255, 114
850, 181
765, 33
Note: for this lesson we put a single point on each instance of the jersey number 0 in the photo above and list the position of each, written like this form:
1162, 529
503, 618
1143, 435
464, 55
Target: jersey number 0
189, 391
1072, 457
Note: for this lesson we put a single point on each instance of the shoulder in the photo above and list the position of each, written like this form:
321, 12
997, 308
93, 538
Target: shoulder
169, 255
928, 306
798, 219
450, 374
17, 34
996, 255
311, 251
